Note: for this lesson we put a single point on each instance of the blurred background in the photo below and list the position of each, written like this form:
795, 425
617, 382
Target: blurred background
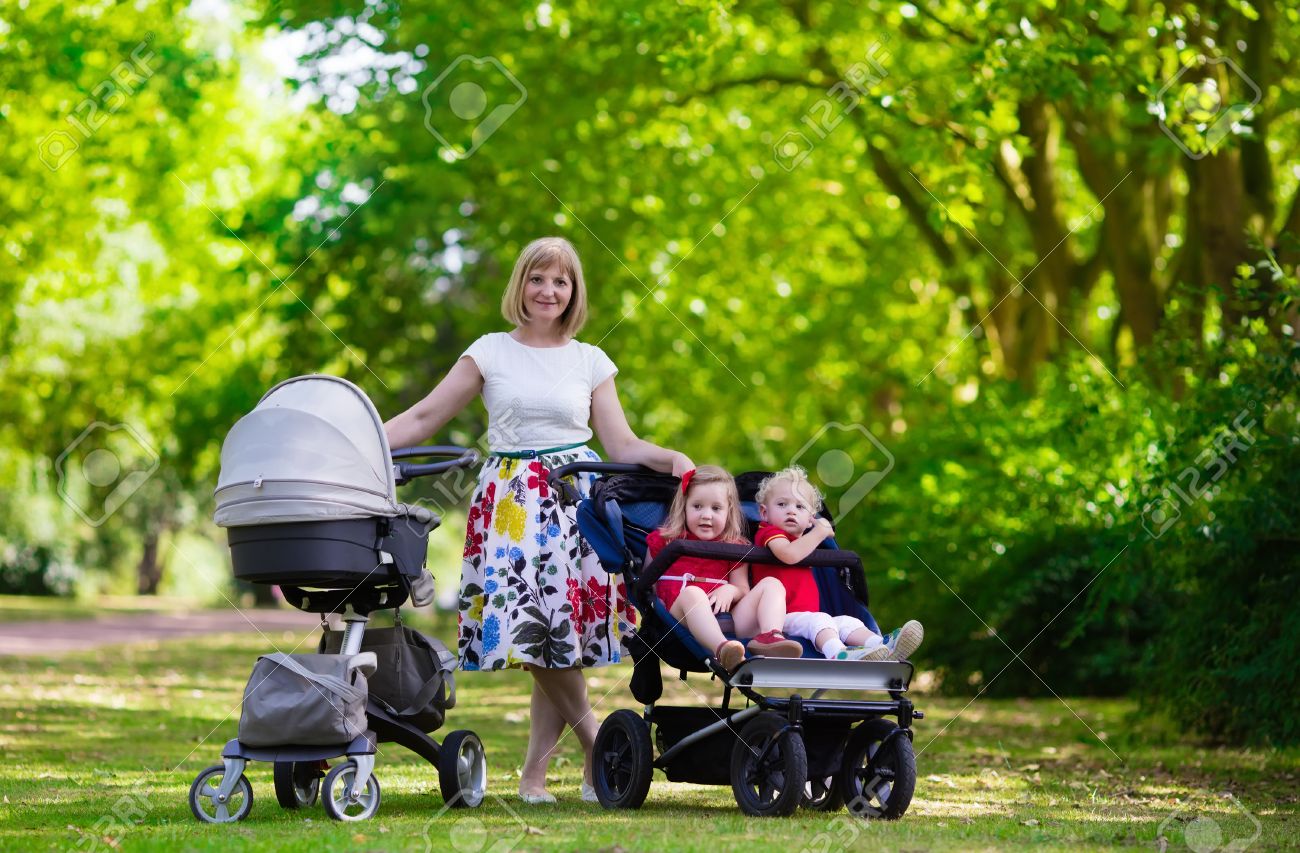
1016, 284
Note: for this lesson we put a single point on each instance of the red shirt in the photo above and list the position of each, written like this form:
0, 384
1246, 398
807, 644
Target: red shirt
707, 574
801, 595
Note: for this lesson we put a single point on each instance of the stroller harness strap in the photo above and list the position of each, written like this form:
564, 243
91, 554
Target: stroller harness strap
689, 578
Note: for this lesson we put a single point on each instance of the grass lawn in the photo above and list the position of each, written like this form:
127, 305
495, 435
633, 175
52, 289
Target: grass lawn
100, 747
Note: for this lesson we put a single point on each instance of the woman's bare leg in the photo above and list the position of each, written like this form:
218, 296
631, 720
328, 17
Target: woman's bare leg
566, 689
545, 727
762, 609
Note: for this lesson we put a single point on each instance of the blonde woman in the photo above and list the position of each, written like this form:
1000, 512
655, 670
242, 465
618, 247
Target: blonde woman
533, 593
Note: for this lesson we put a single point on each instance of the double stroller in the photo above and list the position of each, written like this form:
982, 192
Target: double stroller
791, 745
307, 493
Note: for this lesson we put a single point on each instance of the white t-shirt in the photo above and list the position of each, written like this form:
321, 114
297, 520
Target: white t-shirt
538, 397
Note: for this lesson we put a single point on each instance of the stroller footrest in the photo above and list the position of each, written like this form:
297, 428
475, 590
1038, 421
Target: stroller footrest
823, 674
363, 744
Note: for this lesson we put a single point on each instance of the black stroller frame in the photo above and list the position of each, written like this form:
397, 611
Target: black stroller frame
781, 751
316, 565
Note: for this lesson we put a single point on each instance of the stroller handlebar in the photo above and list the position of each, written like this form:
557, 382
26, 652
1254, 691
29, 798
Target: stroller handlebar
405, 471
570, 494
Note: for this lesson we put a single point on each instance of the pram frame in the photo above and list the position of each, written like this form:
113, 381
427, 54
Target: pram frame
754, 675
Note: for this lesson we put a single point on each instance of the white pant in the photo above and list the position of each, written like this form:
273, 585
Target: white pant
809, 625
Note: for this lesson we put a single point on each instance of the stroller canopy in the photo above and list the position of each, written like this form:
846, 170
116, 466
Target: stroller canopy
313, 449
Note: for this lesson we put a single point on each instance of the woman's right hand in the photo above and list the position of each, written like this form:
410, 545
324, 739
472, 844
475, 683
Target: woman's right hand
681, 464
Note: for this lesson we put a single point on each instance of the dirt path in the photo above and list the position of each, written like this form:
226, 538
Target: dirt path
60, 636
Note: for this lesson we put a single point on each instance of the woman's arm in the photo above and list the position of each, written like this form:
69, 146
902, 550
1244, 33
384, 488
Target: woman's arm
461, 384
621, 444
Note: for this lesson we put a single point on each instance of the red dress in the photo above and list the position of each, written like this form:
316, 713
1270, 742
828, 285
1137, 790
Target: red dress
801, 595
686, 571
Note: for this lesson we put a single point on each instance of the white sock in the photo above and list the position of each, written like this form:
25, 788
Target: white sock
832, 648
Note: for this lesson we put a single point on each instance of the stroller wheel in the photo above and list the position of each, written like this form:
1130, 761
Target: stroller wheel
623, 761
462, 770
206, 802
769, 767
297, 784
823, 795
341, 803
878, 776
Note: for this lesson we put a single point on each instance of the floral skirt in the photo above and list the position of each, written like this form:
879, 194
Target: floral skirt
531, 588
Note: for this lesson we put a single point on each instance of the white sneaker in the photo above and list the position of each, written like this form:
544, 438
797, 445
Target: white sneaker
905, 640
588, 793
880, 651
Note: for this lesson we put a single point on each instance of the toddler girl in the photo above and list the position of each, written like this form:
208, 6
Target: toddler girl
707, 509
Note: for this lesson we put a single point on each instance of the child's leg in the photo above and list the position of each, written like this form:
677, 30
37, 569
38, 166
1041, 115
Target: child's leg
853, 632
818, 627
692, 607
761, 610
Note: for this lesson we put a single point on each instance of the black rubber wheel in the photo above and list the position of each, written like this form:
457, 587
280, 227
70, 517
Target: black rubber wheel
878, 776
823, 795
769, 767
462, 770
623, 761
297, 784
337, 791
203, 797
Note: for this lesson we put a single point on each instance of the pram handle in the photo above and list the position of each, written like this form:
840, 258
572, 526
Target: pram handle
571, 495
406, 471
645, 581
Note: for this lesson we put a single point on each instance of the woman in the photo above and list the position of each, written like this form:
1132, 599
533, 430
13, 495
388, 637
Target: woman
533, 593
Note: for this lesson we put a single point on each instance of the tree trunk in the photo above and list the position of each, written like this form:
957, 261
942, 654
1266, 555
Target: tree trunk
149, 572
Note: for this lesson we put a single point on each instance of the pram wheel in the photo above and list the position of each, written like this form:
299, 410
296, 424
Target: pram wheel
623, 761
297, 783
340, 803
769, 767
823, 795
462, 770
878, 776
206, 803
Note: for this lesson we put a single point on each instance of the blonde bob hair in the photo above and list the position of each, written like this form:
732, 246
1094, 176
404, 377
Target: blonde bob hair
674, 526
797, 477
542, 253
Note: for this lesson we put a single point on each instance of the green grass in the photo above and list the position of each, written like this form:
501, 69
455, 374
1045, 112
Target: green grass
28, 608
99, 750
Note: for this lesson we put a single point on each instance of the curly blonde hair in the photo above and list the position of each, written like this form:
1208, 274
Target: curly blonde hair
797, 477
674, 526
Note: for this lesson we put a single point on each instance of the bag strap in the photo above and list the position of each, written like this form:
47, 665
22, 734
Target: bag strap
422, 699
349, 692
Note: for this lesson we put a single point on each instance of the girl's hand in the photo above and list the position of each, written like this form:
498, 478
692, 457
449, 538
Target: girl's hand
681, 464
722, 598
823, 526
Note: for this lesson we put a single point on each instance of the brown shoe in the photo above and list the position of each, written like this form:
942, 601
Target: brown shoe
730, 654
776, 645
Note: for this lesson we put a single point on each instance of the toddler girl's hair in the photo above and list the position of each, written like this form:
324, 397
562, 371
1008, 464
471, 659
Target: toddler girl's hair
797, 477
674, 526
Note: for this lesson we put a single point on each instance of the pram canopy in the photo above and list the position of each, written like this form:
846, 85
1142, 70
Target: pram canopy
313, 449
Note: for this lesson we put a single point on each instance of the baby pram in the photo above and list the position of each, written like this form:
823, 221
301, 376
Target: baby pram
779, 752
307, 493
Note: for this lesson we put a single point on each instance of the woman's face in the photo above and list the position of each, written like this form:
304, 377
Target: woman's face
706, 510
547, 291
